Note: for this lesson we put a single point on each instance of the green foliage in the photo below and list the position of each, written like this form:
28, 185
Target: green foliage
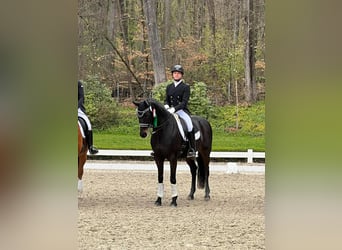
159, 91
100, 106
250, 119
251, 134
199, 103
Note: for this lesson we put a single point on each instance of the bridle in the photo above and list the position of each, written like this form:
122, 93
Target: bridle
140, 114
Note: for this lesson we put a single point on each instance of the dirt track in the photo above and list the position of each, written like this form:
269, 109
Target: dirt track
117, 211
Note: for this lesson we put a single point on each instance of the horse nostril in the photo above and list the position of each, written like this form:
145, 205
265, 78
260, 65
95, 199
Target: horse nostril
143, 133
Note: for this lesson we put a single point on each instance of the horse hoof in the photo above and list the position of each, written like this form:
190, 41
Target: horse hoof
190, 197
207, 198
158, 202
174, 202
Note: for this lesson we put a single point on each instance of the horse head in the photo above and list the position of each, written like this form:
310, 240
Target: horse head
145, 117
147, 113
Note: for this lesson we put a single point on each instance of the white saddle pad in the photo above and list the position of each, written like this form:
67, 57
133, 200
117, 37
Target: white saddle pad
82, 132
181, 130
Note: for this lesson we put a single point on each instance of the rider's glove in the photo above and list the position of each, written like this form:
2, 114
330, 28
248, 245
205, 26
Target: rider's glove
166, 106
171, 110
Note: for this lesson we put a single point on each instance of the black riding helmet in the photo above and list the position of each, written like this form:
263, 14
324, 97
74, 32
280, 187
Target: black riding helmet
177, 68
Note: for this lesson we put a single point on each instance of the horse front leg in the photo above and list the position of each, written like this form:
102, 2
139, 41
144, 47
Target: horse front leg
174, 193
193, 171
80, 174
160, 189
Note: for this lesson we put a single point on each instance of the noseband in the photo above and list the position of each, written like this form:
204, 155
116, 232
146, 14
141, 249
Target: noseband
140, 114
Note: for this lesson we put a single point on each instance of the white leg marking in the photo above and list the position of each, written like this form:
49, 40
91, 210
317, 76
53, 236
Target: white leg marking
174, 190
160, 192
80, 185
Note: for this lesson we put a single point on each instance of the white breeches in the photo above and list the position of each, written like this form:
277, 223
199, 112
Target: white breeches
85, 117
186, 118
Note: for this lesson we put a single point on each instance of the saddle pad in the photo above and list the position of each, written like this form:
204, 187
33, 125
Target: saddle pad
181, 130
82, 131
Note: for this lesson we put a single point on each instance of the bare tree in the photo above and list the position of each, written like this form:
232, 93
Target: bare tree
250, 84
149, 7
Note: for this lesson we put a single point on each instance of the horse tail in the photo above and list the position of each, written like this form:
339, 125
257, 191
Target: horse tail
200, 172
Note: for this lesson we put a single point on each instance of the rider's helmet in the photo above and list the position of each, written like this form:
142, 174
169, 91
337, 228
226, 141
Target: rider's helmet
177, 68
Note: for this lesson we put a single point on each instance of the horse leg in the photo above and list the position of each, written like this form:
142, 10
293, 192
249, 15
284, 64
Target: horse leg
160, 190
80, 174
193, 170
205, 162
81, 161
203, 173
174, 193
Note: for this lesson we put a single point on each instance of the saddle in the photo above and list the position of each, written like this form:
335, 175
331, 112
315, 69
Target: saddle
84, 127
183, 129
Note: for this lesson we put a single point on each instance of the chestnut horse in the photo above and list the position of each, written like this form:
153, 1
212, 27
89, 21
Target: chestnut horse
82, 156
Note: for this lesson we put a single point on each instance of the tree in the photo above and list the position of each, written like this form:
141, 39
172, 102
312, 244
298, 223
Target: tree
217, 42
154, 40
250, 84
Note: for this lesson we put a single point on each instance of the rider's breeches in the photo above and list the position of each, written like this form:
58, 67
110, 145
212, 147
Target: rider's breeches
186, 118
85, 117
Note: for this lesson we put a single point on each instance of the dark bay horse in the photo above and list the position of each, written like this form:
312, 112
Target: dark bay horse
168, 143
82, 157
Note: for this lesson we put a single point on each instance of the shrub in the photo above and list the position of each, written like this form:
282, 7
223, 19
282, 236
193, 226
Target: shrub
199, 103
100, 106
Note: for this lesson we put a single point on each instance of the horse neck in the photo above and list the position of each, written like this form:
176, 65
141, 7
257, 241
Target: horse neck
162, 114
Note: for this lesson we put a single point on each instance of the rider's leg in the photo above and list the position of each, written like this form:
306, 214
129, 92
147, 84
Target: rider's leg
89, 137
89, 134
190, 135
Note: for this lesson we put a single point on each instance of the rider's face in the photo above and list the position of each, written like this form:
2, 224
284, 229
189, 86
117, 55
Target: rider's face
177, 75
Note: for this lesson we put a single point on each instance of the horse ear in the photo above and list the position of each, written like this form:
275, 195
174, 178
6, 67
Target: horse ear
136, 103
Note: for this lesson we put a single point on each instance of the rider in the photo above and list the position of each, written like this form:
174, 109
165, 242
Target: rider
82, 113
177, 97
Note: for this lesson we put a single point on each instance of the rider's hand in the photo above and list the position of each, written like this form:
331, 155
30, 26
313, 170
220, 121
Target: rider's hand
166, 106
171, 110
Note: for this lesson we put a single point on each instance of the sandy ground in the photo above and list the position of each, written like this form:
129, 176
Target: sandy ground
117, 211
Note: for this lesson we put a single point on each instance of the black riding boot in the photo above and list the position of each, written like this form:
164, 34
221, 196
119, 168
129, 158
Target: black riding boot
92, 149
192, 145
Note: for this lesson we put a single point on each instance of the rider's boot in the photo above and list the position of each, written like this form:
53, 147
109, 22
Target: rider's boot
192, 145
92, 149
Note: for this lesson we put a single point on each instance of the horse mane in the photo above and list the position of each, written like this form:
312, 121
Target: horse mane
157, 104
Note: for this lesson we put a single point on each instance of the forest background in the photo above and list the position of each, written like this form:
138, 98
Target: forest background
126, 48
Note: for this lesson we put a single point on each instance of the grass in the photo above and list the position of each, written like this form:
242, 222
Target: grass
125, 135
220, 142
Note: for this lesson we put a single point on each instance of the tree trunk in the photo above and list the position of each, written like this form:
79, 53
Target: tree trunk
167, 28
149, 7
212, 24
250, 85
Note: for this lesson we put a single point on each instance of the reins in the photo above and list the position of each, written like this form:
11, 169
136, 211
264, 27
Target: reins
140, 114
159, 127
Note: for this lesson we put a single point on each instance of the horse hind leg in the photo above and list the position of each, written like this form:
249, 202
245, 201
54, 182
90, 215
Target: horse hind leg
203, 175
193, 171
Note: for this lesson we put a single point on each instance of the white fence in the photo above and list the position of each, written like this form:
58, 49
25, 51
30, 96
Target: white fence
249, 155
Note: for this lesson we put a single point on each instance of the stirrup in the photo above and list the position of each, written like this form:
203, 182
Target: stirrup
191, 154
93, 150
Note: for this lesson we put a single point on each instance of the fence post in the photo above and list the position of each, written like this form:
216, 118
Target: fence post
250, 156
